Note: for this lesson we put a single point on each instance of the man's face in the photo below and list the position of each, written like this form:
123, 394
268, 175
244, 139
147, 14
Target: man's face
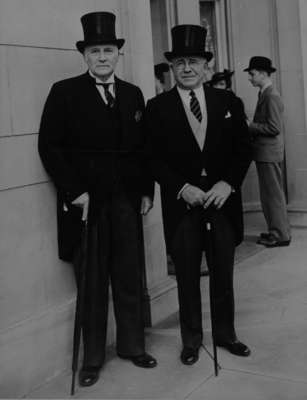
189, 72
220, 84
256, 77
101, 59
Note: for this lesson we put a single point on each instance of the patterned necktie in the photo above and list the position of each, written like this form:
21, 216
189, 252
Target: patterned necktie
194, 106
110, 99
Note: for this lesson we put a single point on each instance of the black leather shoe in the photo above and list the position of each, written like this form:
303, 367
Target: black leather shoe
88, 376
264, 235
189, 356
235, 347
144, 360
271, 241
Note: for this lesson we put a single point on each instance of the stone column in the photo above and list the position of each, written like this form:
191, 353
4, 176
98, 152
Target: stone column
188, 12
138, 68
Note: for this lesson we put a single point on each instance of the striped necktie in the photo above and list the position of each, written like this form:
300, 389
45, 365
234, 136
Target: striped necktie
110, 99
194, 106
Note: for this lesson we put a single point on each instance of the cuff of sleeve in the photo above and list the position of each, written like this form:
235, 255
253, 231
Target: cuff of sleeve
181, 190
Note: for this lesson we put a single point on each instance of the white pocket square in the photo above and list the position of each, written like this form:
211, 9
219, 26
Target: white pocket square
228, 115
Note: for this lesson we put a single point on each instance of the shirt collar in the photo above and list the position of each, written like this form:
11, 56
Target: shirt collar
268, 84
186, 92
111, 79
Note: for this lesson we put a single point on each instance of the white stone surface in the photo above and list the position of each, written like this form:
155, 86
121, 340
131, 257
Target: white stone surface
5, 120
47, 23
32, 71
20, 164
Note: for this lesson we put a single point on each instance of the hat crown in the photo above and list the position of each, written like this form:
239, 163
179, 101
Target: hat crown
261, 63
98, 28
99, 24
189, 38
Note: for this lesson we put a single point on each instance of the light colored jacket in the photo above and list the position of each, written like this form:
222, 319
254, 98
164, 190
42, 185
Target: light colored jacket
267, 129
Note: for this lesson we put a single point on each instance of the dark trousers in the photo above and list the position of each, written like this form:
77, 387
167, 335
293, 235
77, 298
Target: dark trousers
186, 251
114, 256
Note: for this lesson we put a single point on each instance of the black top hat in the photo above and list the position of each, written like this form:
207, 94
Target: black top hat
260, 64
221, 76
188, 40
98, 28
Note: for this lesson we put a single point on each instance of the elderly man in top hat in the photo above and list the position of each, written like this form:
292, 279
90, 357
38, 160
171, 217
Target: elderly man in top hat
91, 143
268, 152
199, 153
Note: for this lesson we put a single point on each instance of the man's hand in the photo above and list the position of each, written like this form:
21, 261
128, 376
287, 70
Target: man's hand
146, 205
193, 195
83, 202
218, 194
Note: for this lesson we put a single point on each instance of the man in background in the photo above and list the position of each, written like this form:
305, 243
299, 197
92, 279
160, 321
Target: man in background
267, 134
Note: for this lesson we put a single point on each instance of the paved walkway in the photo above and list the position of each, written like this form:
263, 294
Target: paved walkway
271, 302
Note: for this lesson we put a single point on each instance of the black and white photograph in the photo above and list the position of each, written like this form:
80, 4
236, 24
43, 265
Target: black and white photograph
153, 199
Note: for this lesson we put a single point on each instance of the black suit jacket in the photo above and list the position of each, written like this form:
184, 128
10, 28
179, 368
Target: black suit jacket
79, 151
176, 158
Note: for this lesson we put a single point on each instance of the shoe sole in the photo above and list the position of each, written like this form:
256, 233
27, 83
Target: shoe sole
280, 244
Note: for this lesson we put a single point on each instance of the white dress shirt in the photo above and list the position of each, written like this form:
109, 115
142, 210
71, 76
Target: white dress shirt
186, 98
110, 80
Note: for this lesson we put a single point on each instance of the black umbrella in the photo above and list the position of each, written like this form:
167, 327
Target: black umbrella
81, 274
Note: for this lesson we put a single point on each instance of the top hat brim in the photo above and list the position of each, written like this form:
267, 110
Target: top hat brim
271, 69
82, 44
170, 55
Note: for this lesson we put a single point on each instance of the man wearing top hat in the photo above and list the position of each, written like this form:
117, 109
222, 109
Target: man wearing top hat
199, 153
91, 143
268, 152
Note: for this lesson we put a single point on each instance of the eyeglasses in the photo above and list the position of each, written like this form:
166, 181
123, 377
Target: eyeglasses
191, 62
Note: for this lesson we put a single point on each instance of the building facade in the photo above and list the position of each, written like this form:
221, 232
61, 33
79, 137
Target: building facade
37, 48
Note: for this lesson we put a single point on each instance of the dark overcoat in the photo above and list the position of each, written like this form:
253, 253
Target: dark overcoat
80, 150
177, 159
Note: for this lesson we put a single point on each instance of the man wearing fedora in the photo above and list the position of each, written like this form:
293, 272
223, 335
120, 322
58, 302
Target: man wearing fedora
267, 134
199, 152
91, 143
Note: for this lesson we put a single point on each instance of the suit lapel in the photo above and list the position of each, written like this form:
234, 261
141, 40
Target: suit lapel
90, 94
181, 123
213, 116
123, 101
264, 95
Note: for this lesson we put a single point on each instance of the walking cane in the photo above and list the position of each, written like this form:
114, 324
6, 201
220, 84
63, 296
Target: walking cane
210, 261
145, 295
79, 305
